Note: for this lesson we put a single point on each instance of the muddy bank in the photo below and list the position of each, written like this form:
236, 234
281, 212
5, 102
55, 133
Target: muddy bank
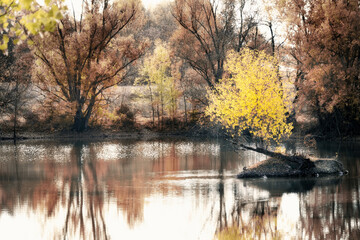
105, 134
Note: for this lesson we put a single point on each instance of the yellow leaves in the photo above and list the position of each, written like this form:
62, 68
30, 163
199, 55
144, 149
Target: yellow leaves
29, 42
5, 40
159, 74
42, 20
26, 4
34, 18
251, 98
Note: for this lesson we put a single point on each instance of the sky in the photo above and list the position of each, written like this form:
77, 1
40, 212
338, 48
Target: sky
152, 3
147, 3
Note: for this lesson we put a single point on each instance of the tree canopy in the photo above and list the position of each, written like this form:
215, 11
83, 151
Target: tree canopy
23, 17
83, 58
205, 35
158, 74
324, 42
250, 97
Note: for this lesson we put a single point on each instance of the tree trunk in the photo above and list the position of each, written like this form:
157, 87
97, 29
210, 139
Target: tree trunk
158, 115
16, 109
186, 121
272, 39
303, 163
255, 38
162, 112
15, 119
79, 122
81, 119
153, 115
152, 106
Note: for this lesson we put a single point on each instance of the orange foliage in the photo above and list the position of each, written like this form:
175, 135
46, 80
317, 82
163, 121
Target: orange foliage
81, 59
325, 36
204, 36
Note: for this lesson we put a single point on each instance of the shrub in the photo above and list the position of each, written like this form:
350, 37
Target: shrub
125, 117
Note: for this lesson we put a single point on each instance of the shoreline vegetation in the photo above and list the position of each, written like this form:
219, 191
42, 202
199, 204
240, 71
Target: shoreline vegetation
91, 134
194, 131
96, 133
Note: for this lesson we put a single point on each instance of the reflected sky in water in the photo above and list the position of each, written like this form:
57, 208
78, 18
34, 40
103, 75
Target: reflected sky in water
168, 189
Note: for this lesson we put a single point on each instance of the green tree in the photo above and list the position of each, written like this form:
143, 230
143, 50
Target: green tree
250, 97
23, 17
158, 75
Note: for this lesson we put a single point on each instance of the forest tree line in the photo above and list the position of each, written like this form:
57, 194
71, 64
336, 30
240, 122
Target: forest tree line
66, 71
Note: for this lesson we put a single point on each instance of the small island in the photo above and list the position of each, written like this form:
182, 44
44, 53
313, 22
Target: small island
281, 167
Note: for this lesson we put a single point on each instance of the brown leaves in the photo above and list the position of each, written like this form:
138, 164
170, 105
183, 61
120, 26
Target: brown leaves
84, 57
205, 36
326, 47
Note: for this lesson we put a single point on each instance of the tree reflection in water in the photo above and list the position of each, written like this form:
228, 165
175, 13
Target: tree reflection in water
85, 201
324, 211
90, 190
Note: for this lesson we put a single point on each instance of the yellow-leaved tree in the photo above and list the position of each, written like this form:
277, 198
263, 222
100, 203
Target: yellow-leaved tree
18, 18
251, 97
160, 75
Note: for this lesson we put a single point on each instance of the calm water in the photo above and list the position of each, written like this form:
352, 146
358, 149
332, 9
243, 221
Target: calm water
168, 189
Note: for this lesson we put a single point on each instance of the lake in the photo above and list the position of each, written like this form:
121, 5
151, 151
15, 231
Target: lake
169, 189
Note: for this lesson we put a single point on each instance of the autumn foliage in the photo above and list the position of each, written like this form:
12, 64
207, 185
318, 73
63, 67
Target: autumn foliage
204, 36
326, 48
159, 75
81, 59
19, 18
80, 56
251, 97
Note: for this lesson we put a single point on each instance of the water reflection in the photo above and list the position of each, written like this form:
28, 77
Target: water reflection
167, 190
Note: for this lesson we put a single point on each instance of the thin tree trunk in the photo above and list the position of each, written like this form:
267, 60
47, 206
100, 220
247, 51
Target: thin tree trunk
256, 36
162, 111
272, 39
152, 106
153, 114
15, 110
158, 115
173, 112
185, 111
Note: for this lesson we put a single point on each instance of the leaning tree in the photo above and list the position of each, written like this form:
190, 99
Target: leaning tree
251, 100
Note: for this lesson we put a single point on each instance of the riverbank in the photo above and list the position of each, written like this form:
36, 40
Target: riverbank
98, 134
144, 133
